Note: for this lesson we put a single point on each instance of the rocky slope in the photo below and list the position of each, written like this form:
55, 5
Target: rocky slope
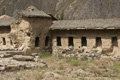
66, 9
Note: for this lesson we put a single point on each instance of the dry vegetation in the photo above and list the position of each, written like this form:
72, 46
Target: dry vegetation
60, 68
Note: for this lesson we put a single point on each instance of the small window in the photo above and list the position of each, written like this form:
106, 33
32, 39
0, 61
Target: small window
114, 41
84, 41
98, 41
47, 41
70, 41
4, 41
29, 34
37, 42
59, 41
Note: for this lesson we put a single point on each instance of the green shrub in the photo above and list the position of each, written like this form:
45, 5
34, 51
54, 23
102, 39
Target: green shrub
60, 57
116, 68
85, 64
73, 61
17, 78
45, 55
60, 73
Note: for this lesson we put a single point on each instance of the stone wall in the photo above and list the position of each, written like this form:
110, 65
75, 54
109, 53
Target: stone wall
106, 37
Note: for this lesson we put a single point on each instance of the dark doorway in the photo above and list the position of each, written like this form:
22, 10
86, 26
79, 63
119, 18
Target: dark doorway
98, 41
59, 41
114, 41
37, 42
46, 40
70, 41
5, 29
84, 41
4, 41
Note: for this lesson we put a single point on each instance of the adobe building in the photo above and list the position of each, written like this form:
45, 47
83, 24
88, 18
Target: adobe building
27, 33
34, 31
6, 27
89, 34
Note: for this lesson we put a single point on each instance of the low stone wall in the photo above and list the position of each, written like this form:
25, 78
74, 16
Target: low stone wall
83, 54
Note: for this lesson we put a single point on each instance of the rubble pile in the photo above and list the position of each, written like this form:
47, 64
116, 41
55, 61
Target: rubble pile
93, 54
10, 62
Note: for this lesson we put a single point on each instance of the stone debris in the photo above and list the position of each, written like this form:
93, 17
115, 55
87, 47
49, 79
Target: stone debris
21, 48
5, 55
23, 58
82, 53
93, 54
20, 62
34, 54
36, 58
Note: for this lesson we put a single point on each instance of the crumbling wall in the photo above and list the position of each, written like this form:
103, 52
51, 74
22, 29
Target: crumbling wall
29, 29
6, 40
40, 28
106, 37
23, 27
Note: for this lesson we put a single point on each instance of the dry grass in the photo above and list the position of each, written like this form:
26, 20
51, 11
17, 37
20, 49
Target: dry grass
59, 65
105, 67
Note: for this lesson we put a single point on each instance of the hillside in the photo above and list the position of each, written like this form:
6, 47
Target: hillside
66, 9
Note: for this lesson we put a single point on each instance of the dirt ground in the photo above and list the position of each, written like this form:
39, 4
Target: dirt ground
60, 68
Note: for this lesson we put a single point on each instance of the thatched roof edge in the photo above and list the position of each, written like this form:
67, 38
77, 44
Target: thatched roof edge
86, 24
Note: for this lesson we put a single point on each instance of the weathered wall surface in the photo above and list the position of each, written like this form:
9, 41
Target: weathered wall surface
106, 36
29, 29
8, 42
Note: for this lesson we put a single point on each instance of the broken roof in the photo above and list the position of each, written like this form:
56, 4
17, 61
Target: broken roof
87, 24
33, 12
6, 20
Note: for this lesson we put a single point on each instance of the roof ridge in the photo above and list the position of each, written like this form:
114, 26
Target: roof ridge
113, 23
88, 19
5, 17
